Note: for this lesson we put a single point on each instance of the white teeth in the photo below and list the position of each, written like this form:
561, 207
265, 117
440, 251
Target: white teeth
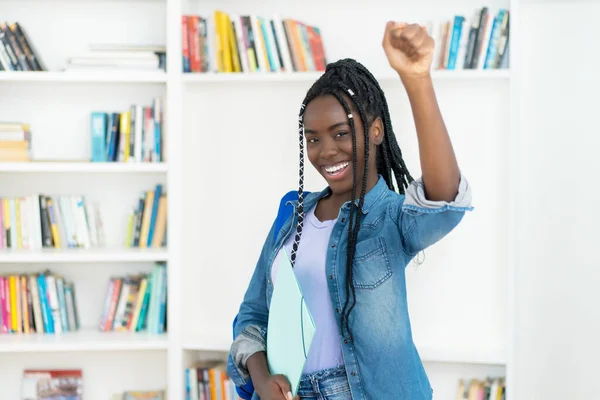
337, 167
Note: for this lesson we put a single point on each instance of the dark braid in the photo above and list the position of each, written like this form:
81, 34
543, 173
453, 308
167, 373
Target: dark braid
348, 78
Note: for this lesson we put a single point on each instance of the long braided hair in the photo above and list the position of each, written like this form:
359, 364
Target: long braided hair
343, 79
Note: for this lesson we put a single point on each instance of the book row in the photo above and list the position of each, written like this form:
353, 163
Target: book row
208, 380
68, 384
226, 42
135, 303
490, 388
135, 135
482, 42
39, 221
16, 51
15, 142
147, 224
37, 303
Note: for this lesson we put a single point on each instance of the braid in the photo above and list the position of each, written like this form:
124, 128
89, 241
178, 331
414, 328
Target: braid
349, 78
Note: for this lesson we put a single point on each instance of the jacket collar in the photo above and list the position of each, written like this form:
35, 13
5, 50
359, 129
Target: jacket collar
377, 192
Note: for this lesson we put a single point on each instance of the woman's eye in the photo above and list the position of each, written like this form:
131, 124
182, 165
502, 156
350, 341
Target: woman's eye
312, 140
344, 133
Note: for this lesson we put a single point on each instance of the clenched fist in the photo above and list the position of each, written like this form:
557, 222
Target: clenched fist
409, 49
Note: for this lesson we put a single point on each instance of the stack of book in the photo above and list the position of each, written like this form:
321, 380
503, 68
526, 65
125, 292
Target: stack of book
37, 303
136, 303
41, 221
480, 42
16, 51
120, 58
134, 135
250, 43
147, 224
15, 142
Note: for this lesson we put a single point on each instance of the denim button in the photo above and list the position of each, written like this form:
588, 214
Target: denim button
330, 276
333, 246
353, 373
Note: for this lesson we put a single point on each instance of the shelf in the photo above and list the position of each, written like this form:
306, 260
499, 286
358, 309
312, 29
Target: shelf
78, 255
84, 76
83, 166
202, 343
84, 340
312, 76
448, 355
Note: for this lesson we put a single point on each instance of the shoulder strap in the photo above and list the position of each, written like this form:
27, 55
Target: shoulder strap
285, 211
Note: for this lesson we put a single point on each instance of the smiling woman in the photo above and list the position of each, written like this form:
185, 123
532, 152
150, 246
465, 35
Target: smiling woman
360, 233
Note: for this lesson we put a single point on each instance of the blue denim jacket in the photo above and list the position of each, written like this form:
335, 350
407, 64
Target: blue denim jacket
382, 362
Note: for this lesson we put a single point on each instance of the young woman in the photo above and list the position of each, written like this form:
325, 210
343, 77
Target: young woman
350, 243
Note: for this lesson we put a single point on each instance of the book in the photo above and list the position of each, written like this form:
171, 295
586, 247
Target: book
291, 327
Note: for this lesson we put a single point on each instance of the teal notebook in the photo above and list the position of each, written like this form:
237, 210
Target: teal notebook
291, 326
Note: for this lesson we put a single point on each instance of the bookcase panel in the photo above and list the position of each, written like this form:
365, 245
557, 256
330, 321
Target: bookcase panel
90, 282
349, 28
61, 29
60, 129
115, 194
104, 373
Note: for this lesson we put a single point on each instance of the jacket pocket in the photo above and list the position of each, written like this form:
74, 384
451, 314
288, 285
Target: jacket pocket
371, 264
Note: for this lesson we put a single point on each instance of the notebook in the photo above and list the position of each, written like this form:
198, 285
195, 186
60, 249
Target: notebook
291, 326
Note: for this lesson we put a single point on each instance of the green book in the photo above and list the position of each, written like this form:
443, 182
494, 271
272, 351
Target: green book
291, 326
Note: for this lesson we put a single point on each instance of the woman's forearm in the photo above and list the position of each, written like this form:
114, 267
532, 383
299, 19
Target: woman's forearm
258, 368
440, 172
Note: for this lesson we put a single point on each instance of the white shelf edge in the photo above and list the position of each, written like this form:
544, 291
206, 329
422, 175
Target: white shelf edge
84, 76
202, 77
83, 340
431, 354
51, 255
199, 342
428, 353
83, 166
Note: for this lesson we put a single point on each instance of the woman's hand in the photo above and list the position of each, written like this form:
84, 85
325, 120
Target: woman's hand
275, 387
409, 49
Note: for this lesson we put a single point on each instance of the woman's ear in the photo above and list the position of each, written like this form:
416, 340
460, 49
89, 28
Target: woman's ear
376, 131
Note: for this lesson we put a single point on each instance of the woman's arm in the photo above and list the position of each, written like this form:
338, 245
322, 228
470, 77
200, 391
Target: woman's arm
440, 172
409, 50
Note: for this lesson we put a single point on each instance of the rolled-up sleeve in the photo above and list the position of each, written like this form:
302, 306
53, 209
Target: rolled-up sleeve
423, 222
250, 327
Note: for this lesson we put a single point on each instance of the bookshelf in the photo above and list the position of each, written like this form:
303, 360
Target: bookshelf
207, 172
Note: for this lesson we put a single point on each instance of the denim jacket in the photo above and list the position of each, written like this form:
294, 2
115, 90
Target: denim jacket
382, 361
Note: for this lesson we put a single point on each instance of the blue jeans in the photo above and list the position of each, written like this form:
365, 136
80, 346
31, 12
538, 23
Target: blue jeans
329, 384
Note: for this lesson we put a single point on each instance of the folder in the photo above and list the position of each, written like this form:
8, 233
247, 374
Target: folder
291, 326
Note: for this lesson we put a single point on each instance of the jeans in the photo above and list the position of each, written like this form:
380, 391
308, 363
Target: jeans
329, 384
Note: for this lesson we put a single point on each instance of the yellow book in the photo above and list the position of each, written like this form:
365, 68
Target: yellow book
222, 26
130, 223
53, 223
6, 218
19, 226
13, 303
235, 59
125, 132
138, 304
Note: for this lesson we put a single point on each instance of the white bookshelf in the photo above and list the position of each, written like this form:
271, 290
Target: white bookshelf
84, 340
107, 255
83, 77
210, 122
82, 167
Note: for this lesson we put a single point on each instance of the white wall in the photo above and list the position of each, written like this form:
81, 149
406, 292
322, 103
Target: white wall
557, 275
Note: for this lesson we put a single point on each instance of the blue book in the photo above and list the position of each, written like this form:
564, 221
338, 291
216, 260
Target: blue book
98, 130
